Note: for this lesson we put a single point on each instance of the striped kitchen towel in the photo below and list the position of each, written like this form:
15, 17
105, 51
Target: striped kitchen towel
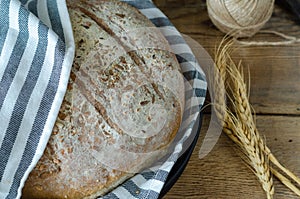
37, 49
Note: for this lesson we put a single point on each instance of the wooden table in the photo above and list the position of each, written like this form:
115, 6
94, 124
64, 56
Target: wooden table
275, 96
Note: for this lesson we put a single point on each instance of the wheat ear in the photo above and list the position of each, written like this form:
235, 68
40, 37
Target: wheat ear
252, 143
243, 110
236, 125
239, 124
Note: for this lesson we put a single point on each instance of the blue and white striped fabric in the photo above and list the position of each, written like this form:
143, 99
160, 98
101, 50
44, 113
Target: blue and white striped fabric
37, 49
36, 46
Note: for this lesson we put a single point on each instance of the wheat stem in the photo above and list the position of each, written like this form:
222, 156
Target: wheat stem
274, 160
286, 181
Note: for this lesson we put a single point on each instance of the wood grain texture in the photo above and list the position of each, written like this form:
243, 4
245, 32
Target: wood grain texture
275, 96
223, 174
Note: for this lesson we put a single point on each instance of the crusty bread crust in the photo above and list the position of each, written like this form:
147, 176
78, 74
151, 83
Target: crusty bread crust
122, 108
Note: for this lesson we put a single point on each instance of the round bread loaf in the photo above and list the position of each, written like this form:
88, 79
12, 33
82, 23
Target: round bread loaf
122, 108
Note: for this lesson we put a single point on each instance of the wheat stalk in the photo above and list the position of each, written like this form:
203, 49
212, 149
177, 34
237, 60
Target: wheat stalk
252, 144
285, 181
238, 123
239, 126
243, 110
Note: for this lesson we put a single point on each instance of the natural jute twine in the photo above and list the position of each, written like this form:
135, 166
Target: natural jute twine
240, 18
245, 18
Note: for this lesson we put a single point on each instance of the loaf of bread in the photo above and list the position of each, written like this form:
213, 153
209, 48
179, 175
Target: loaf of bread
122, 108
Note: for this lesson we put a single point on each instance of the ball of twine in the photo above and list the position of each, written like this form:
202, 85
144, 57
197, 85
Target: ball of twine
240, 18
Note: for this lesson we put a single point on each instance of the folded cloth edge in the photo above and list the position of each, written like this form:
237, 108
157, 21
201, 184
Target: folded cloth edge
64, 79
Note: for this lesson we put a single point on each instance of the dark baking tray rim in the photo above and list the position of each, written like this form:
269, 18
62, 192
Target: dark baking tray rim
182, 161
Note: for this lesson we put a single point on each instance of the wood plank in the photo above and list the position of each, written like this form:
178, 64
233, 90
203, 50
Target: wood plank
274, 70
274, 79
223, 174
